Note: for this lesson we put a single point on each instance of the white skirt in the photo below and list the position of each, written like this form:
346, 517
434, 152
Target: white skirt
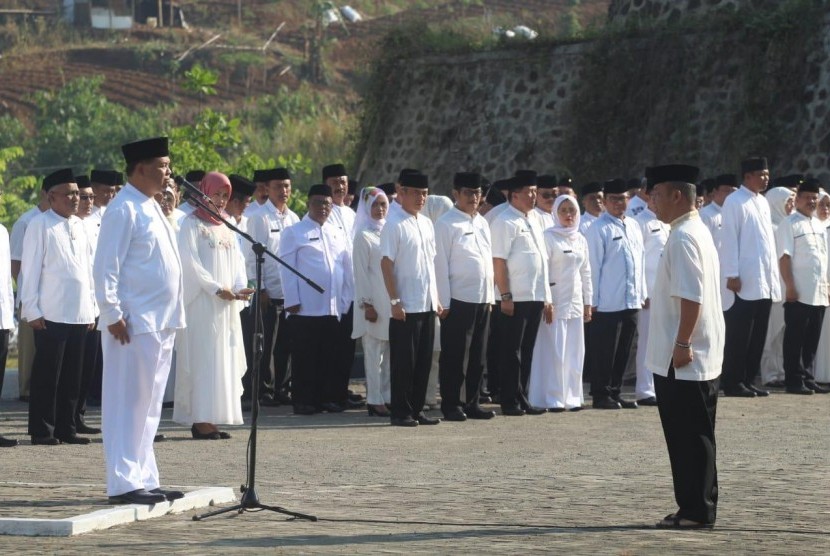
556, 369
821, 364
772, 359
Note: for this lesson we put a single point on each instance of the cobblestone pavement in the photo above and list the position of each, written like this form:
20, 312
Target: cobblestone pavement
578, 483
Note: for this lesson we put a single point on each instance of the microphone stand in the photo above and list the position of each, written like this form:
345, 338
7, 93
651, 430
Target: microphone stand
250, 500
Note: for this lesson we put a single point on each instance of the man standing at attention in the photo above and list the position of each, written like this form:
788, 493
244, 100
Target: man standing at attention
685, 347
138, 285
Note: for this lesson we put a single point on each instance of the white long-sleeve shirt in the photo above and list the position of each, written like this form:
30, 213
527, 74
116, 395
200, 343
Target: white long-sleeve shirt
635, 206
712, 217
655, 234
464, 258
137, 269
617, 261
321, 254
16, 241
409, 242
369, 286
267, 226
6, 292
569, 270
747, 249
585, 221
518, 240
804, 240
58, 268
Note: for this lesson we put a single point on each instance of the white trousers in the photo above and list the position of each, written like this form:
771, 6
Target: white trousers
645, 379
772, 359
821, 365
135, 376
556, 368
376, 365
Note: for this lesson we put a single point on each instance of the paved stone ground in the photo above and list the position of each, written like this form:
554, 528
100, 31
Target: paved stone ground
580, 483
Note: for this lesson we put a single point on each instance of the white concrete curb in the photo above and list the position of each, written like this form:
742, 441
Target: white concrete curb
117, 515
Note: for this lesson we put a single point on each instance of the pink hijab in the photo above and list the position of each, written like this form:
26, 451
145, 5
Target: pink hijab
210, 184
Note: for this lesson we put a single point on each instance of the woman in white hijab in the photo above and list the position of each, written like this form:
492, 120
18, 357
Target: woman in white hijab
372, 311
556, 369
821, 364
781, 203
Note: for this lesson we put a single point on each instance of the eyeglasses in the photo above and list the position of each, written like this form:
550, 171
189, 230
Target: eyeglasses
87, 197
471, 192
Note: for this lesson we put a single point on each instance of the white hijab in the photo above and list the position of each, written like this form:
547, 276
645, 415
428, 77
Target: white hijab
823, 194
364, 220
777, 198
558, 228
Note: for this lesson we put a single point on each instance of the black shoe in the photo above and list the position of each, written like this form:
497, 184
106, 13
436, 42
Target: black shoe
454, 414
531, 410
139, 496
485, 399
476, 412
300, 409
167, 405
606, 403
816, 388
403, 422
7, 442
758, 392
775, 384
45, 441
803, 390
577, 408
651, 400
354, 404
223, 435
424, 420
739, 391
556, 409
24, 399
159, 438
169, 495
512, 411
284, 397
203, 435
74, 439
625, 404
378, 411
83, 428
332, 407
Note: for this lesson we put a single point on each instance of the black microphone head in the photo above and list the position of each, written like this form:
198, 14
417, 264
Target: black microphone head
178, 179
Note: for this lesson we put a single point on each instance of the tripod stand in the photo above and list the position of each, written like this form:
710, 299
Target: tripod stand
250, 500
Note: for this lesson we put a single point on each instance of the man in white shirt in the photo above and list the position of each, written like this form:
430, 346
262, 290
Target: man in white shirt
545, 197
655, 233
57, 302
464, 272
407, 247
685, 348
615, 248
802, 248
520, 266
343, 218
25, 335
637, 197
711, 214
138, 286
6, 315
267, 226
593, 201
260, 195
317, 249
105, 184
750, 269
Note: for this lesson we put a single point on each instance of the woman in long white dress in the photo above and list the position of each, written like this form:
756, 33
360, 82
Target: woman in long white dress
781, 203
556, 369
821, 364
372, 312
210, 351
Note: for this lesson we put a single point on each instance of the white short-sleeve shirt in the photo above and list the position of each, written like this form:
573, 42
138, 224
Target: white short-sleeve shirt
518, 240
804, 239
409, 242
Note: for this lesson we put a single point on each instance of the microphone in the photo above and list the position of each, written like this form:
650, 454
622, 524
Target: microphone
193, 192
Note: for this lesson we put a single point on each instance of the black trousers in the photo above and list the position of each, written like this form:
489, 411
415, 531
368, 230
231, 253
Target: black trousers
462, 352
746, 331
687, 411
4, 354
612, 334
314, 374
587, 374
56, 379
492, 350
89, 367
410, 359
802, 329
345, 348
517, 336
271, 378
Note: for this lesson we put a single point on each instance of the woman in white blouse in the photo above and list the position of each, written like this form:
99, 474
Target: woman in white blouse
821, 365
556, 371
372, 311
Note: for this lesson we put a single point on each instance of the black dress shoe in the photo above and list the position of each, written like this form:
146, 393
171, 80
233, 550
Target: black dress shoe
223, 435
531, 410
83, 428
739, 391
74, 439
577, 408
424, 420
606, 403
556, 409
24, 399
625, 404
454, 414
332, 407
758, 392
512, 411
300, 409
378, 411
167, 405
203, 435
45, 441
139, 496
485, 399
651, 400
476, 412
284, 397
355, 397
775, 384
159, 438
354, 404
803, 390
816, 388
169, 495
7, 442
403, 422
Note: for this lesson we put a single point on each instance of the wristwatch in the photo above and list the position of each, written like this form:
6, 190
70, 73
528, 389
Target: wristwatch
507, 296
394, 301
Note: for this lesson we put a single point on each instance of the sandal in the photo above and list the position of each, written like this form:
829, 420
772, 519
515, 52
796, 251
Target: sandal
673, 521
